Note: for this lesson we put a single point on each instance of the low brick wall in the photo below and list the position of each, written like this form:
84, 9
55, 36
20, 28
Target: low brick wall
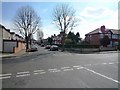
88, 50
83, 50
19, 47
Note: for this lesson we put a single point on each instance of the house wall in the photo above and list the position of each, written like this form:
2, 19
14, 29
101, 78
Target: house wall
6, 35
1, 40
95, 39
13, 37
87, 38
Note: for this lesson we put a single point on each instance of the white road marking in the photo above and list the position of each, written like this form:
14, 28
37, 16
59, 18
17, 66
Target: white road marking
111, 63
57, 70
40, 73
23, 72
5, 74
54, 70
23, 75
101, 75
27, 73
78, 67
104, 63
64, 67
38, 70
5, 77
68, 69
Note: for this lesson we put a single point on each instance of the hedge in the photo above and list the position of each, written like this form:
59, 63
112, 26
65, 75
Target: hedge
79, 46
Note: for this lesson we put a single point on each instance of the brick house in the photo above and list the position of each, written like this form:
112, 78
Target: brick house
58, 39
96, 35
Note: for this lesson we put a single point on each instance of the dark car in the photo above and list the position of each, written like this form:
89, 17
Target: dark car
42, 45
32, 49
47, 46
54, 48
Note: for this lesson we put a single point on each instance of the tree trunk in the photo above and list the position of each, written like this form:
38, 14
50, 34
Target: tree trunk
30, 42
63, 43
27, 45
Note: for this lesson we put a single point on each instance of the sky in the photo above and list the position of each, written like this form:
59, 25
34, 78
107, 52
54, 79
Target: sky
91, 13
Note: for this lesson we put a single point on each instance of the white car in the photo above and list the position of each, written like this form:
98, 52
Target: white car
54, 48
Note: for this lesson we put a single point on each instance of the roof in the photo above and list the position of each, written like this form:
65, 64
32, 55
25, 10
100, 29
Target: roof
8, 30
12, 32
114, 31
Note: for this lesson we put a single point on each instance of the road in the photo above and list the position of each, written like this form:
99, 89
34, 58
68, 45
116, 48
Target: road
55, 69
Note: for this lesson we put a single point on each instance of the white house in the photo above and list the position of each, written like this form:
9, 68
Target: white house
9, 41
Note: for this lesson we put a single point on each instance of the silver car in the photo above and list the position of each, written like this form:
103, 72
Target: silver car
54, 48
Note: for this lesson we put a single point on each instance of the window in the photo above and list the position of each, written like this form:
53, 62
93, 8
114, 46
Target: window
115, 36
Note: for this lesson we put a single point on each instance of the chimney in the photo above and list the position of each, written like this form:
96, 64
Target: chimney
102, 28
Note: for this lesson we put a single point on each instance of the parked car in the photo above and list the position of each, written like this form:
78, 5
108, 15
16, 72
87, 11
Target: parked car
32, 49
54, 48
47, 46
42, 45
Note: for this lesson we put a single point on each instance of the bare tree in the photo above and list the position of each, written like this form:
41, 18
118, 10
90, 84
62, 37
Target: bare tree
64, 18
40, 35
27, 22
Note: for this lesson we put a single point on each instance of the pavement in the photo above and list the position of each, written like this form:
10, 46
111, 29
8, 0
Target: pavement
54, 69
20, 53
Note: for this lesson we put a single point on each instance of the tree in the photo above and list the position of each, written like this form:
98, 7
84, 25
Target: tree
77, 37
40, 35
27, 22
105, 41
64, 18
68, 41
72, 36
50, 40
77, 34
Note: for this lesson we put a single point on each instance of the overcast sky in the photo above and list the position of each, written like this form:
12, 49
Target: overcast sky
92, 14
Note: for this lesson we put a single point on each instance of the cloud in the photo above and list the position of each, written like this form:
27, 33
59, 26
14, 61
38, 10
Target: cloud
96, 13
91, 19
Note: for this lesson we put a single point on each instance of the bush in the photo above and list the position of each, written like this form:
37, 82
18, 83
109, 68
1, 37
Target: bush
79, 46
68, 41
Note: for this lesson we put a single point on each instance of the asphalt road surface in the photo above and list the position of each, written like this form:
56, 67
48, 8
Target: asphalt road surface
55, 69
